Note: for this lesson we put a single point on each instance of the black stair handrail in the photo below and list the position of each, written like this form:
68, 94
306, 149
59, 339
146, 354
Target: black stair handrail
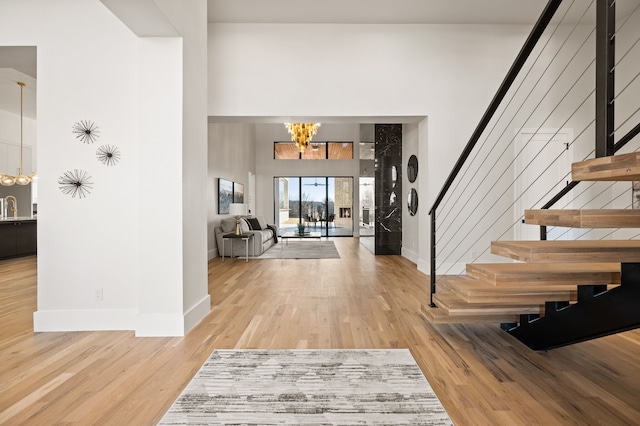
535, 35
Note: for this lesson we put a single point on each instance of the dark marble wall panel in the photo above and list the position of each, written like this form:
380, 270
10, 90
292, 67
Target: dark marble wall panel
388, 164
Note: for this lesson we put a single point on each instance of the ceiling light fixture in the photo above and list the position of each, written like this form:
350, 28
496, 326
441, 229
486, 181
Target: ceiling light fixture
21, 179
302, 133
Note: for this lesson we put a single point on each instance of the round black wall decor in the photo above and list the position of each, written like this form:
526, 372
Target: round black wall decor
412, 201
412, 168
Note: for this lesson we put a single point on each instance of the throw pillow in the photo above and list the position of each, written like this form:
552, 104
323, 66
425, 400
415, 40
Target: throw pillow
263, 223
244, 226
254, 224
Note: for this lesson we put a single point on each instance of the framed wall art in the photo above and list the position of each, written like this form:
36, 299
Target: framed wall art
238, 192
225, 195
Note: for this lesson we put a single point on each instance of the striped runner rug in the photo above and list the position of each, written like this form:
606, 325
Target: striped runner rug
303, 387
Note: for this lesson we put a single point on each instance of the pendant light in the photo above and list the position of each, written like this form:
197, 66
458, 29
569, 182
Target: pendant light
21, 179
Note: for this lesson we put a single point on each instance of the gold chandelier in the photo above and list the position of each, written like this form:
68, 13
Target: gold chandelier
302, 133
21, 179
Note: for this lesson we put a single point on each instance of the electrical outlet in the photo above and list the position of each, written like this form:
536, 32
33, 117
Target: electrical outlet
472, 254
99, 295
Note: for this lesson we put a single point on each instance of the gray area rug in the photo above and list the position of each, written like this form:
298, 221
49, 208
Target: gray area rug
301, 250
319, 387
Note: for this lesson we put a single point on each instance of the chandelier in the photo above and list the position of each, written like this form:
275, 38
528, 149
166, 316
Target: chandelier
21, 179
301, 133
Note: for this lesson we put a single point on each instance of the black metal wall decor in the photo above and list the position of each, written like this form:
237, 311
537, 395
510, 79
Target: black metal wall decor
412, 201
388, 164
109, 155
412, 168
86, 131
76, 182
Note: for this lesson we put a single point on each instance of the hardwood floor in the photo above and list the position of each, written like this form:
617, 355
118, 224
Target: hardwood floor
481, 374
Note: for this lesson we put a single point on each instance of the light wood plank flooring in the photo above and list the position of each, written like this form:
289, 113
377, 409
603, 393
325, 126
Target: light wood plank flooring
481, 375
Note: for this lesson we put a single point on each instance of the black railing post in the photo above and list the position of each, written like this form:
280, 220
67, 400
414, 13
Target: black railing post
605, 76
432, 274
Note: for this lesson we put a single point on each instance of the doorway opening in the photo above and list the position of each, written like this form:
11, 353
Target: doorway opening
542, 168
367, 191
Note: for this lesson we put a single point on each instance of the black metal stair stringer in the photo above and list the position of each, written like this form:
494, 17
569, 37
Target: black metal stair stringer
597, 313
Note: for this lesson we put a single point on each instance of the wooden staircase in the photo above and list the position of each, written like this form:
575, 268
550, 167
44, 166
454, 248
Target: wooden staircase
550, 297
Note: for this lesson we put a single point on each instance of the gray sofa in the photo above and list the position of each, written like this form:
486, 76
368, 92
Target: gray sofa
261, 241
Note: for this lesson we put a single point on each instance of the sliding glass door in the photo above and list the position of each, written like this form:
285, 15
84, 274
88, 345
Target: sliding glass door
323, 203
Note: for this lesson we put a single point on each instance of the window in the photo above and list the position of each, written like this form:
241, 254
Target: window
340, 150
324, 204
316, 151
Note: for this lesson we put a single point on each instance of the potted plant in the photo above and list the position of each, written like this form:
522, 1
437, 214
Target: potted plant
301, 227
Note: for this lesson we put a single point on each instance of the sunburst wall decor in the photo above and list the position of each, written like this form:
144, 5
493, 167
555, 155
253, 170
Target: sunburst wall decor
76, 182
86, 131
109, 155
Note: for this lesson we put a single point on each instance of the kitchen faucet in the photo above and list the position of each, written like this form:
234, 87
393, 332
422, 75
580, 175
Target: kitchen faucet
14, 209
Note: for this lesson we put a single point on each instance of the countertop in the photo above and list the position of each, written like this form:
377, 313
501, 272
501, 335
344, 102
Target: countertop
18, 219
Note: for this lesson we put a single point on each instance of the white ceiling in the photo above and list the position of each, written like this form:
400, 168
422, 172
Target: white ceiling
376, 11
18, 63
524, 12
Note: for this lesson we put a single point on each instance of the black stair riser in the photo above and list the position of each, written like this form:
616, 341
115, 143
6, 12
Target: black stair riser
598, 313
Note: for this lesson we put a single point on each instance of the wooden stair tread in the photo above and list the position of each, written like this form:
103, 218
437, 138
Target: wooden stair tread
569, 251
624, 167
440, 316
455, 306
584, 218
475, 291
561, 275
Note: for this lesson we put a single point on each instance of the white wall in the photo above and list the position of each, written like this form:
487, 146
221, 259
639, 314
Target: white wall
92, 243
410, 224
232, 155
189, 18
126, 238
446, 72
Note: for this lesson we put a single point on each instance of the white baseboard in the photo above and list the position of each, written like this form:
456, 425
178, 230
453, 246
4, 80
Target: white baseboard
197, 313
84, 320
410, 254
159, 325
121, 319
166, 325
212, 254
424, 266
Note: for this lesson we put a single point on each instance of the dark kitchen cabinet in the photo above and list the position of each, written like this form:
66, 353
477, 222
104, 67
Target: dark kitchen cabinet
18, 238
